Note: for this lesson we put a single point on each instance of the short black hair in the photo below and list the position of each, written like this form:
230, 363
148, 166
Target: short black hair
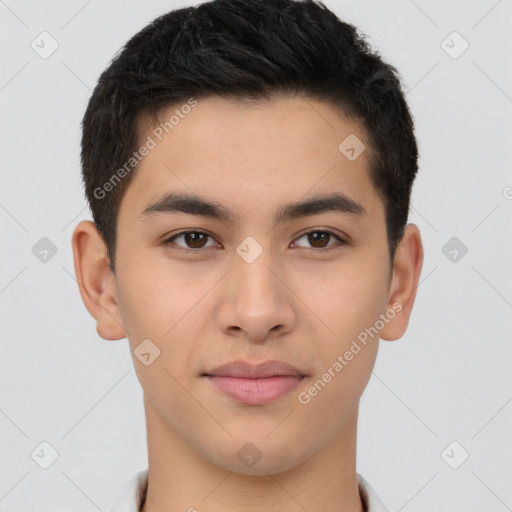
248, 51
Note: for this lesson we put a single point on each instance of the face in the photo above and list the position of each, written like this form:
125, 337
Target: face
237, 282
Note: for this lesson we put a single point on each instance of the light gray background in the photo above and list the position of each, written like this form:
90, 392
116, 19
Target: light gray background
448, 379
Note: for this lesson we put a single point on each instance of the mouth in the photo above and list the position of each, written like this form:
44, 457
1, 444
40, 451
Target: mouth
255, 384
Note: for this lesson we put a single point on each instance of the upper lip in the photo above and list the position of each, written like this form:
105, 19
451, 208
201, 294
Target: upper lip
247, 370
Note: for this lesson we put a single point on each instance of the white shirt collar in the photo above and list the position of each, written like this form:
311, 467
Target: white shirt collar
131, 496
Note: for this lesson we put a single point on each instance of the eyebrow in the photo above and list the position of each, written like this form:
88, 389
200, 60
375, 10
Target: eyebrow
174, 202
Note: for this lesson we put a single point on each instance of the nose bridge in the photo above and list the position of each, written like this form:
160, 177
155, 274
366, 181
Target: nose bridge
253, 264
259, 301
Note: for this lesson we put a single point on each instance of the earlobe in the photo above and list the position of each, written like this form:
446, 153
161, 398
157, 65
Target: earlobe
96, 281
404, 283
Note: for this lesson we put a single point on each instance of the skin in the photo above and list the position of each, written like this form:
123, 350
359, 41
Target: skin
299, 302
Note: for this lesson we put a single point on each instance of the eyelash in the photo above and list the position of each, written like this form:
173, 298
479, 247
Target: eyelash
171, 239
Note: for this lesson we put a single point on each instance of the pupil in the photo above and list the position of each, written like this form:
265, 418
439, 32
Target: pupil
313, 237
192, 238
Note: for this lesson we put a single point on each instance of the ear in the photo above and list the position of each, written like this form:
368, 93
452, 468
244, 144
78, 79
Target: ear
96, 280
404, 283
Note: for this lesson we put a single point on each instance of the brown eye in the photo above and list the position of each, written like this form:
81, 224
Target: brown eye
320, 239
192, 240
195, 240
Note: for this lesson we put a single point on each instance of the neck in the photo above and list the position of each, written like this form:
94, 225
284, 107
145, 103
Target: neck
182, 479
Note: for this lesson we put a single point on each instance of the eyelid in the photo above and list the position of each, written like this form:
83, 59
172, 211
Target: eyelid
341, 240
170, 239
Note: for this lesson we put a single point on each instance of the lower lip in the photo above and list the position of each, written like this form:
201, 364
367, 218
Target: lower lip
255, 391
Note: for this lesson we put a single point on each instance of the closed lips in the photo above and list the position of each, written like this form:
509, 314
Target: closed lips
245, 370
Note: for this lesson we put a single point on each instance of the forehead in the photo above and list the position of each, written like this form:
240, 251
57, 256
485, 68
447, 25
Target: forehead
252, 155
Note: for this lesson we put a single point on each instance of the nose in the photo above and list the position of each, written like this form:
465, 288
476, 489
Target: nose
257, 302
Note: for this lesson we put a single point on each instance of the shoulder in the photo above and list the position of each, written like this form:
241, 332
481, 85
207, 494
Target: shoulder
133, 494
371, 501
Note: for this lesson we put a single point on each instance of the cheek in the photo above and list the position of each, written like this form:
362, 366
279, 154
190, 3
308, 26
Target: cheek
332, 395
166, 303
349, 306
347, 297
146, 304
348, 300
155, 295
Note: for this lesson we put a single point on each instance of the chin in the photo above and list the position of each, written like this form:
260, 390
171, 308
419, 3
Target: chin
258, 459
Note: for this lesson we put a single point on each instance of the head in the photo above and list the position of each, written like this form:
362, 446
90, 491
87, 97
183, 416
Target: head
212, 119
248, 51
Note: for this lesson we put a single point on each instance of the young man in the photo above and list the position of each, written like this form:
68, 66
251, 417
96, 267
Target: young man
249, 167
